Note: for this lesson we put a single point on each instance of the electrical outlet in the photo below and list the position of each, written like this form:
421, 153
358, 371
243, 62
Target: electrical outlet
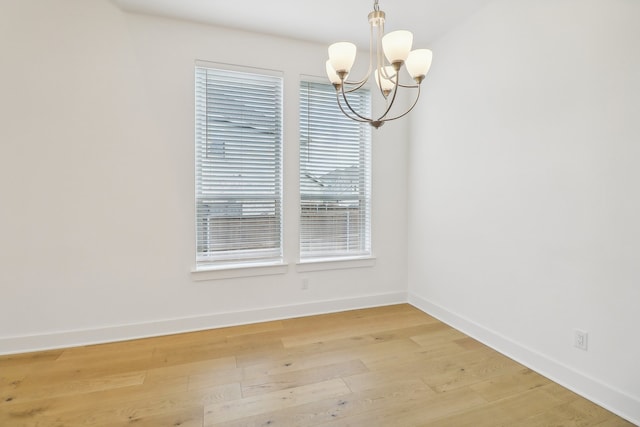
304, 284
580, 339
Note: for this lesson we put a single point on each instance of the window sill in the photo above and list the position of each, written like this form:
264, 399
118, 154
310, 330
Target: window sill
322, 264
232, 271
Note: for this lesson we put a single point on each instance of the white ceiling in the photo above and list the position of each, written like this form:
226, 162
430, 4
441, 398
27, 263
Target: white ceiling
324, 21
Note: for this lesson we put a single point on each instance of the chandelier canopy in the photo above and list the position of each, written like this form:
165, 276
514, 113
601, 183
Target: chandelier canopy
389, 52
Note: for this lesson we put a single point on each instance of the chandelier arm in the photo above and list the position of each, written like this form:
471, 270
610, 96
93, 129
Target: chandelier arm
380, 66
371, 25
415, 101
380, 76
358, 85
409, 86
346, 101
357, 119
383, 63
393, 98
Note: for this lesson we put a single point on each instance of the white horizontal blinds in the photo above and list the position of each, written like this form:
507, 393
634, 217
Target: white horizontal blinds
334, 175
238, 166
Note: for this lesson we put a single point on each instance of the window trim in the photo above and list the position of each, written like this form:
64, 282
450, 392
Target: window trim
324, 264
233, 271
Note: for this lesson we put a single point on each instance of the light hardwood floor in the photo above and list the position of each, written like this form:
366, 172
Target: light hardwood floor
387, 366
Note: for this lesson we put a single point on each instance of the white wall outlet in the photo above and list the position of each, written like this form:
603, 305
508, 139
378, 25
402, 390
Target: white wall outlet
580, 339
304, 284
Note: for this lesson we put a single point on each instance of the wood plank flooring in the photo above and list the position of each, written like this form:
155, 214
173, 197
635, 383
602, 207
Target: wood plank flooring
386, 366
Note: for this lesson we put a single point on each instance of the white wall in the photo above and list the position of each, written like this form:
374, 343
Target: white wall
96, 181
524, 192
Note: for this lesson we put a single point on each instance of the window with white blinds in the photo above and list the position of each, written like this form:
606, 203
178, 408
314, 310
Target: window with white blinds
238, 167
335, 182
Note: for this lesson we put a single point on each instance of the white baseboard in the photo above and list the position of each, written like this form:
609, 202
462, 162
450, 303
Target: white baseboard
64, 339
616, 401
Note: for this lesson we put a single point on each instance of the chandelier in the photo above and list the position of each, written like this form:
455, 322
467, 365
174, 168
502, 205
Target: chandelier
396, 48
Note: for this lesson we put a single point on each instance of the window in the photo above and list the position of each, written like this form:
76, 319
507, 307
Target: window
334, 176
238, 167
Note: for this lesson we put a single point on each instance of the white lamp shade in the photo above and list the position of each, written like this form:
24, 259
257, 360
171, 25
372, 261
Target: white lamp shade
342, 55
418, 62
396, 45
386, 83
331, 73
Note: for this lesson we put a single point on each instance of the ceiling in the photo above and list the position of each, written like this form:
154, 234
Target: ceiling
324, 21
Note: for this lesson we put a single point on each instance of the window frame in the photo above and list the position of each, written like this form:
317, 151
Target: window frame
348, 258
228, 259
